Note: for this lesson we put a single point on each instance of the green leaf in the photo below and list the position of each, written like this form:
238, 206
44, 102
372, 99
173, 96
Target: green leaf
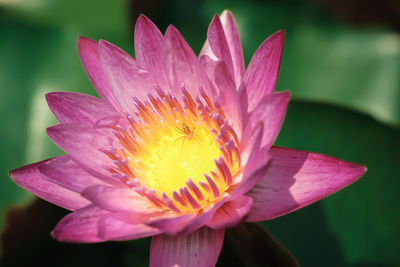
106, 17
360, 223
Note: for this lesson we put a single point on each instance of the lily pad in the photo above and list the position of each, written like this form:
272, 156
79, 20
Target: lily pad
359, 224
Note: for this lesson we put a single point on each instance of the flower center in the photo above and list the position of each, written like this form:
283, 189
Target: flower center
175, 153
181, 157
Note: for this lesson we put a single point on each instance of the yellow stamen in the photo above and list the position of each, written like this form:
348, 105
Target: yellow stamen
180, 157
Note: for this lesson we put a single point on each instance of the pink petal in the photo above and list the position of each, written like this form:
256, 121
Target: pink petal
231, 35
121, 226
228, 97
171, 224
262, 73
84, 144
271, 110
296, 179
80, 226
251, 141
219, 45
231, 213
203, 218
125, 77
235, 47
208, 65
65, 172
182, 66
206, 51
75, 107
29, 178
88, 52
118, 199
186, 223
199, 249
255, 165
148, 49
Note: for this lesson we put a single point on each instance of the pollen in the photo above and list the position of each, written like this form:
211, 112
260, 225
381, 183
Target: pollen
181, 155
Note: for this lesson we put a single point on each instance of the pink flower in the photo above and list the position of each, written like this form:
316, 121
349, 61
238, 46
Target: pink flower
179, 147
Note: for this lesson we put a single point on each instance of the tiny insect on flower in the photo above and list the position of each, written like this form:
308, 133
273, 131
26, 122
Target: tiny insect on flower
187, 133
125, 176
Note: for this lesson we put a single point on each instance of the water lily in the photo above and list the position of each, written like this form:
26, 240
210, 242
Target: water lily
179, 147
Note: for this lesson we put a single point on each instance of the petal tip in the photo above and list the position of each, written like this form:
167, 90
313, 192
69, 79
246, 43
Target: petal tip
50, 97
52, 131
227, 12
365, 168
18, 174
216, 17
84, 43
142, 18
143, 22
54, 235
362, 170
357, 171
171, 30
286, 95
280, 34
57, 234
277, 38
82, 40
105, 44
11, 174
215, 23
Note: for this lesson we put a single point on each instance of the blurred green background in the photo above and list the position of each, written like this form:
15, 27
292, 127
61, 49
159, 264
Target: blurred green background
341, 63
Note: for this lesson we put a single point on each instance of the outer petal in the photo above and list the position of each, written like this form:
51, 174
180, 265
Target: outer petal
120, 226
296, 179
148, 49
219, 45
126, 79
262, 73
235, 47
88, 52
80, 226
199, 249
231, 213
65, 172
84, 144
118, 199
182, 66
271, 110
29, 178
75, 107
